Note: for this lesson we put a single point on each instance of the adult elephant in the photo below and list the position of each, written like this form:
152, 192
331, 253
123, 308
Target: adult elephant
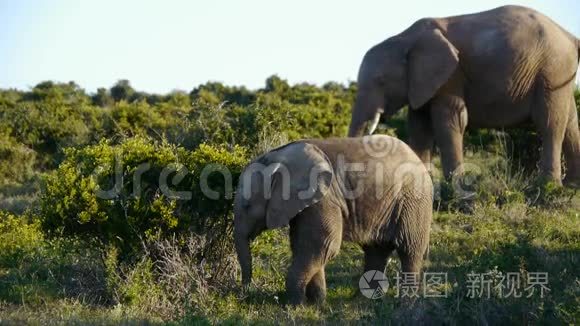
493, 69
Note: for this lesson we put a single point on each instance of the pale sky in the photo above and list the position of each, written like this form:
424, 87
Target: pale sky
164, 45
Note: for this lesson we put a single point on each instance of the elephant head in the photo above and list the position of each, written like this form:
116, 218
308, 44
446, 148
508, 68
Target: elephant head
406, 69
274, 189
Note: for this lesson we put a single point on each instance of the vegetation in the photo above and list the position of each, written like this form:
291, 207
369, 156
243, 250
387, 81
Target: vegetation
82, 240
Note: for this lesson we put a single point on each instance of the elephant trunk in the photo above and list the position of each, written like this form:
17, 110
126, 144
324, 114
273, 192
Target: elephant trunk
366, 110
242, 242
356, 127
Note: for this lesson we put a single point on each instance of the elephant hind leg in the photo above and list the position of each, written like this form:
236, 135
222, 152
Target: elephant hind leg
376, 257
551, 118
411, 262
316, 288
300, 275
571, 147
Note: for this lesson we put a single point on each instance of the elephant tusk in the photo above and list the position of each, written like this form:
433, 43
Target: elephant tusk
375, 123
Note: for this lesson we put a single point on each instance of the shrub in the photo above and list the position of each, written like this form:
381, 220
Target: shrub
216, 93
16, 160
128, 194
328, 119
48, 126
19, 238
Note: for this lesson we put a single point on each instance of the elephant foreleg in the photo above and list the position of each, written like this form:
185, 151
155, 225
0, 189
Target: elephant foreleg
449, 120
421, 134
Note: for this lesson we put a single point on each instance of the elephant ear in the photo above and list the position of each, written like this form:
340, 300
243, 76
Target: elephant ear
432, 61
302, 180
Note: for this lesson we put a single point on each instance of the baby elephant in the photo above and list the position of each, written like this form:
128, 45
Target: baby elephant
374, 191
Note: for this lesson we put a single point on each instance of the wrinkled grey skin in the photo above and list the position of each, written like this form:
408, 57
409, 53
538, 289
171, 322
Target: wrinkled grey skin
388, 207
494, 69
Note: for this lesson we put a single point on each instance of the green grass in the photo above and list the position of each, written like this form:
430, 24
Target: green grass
485, 241
515, 238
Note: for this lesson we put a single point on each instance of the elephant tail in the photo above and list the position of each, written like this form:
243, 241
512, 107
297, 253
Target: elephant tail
578, 48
